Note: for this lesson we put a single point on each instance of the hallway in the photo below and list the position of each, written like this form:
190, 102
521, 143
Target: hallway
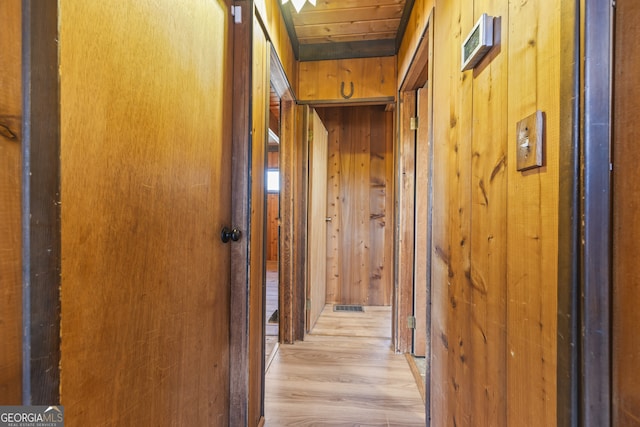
343, 374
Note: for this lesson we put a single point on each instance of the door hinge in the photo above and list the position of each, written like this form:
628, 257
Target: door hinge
411, 322
308, 304
236, 11
413, 123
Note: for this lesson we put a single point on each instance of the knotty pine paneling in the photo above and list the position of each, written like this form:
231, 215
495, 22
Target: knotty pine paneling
626, 220
532, 216
485, 286
360, 200
145, 190
323, 81
494, 249
10, 209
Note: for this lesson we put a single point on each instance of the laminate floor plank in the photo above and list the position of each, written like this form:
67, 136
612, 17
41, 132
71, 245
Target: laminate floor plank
343, 374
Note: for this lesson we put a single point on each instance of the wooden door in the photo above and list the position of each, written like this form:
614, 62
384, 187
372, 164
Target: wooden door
317, 234
360, 233
422, 231
145, 190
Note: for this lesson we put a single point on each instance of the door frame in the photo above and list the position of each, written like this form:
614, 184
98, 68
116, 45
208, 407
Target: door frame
404, 251
41, 233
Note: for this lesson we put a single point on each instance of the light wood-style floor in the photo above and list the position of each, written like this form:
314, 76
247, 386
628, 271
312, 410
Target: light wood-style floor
343, 374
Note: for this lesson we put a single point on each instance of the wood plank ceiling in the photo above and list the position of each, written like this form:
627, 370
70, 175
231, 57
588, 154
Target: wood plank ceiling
336, 29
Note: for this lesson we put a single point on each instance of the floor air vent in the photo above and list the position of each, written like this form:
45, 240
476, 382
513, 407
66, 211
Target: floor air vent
350, 308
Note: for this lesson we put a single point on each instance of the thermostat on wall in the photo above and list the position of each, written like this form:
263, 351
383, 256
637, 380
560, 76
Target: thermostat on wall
478, 42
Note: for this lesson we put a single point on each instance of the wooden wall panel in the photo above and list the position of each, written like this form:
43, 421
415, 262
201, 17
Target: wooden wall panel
626, 219
360, 151
485, 289
330, 80
494, 250
532, 217
416, 28
10, 209
145, 180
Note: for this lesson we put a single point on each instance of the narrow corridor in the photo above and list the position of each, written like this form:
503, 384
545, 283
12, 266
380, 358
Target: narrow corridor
343, 374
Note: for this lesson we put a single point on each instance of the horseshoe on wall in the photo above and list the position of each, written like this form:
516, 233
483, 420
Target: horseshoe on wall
345, 96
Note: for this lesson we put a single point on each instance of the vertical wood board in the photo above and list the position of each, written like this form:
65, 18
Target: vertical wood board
532, 217
486, 285
10, 211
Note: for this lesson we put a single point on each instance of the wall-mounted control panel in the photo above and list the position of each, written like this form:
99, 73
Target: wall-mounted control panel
477, 43
529, 140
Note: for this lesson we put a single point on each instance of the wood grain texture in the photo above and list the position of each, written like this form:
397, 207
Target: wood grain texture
346, 375
287, 231
323, 81
486, 285
10, 210
317, 224
360, 177
351, 20
145, 192
532, 217
239, 294
268, 12
416, 27
626, 228
405, 211
422, 209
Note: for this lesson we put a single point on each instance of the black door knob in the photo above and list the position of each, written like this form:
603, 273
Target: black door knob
227, 234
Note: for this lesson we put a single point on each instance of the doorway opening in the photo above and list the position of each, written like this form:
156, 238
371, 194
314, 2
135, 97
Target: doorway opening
272, 231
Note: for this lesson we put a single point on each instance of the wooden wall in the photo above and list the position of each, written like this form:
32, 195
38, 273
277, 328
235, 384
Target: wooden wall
269, 13
494, 249
145, 191
413, 36
360, 201
626, 218
10, 210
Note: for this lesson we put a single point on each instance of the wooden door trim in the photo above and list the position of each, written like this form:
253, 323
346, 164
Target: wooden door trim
240, 214
41, 239
411, 81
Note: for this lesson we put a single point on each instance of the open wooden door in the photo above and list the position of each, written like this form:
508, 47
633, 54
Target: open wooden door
146, 90
317, 234
422, 227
